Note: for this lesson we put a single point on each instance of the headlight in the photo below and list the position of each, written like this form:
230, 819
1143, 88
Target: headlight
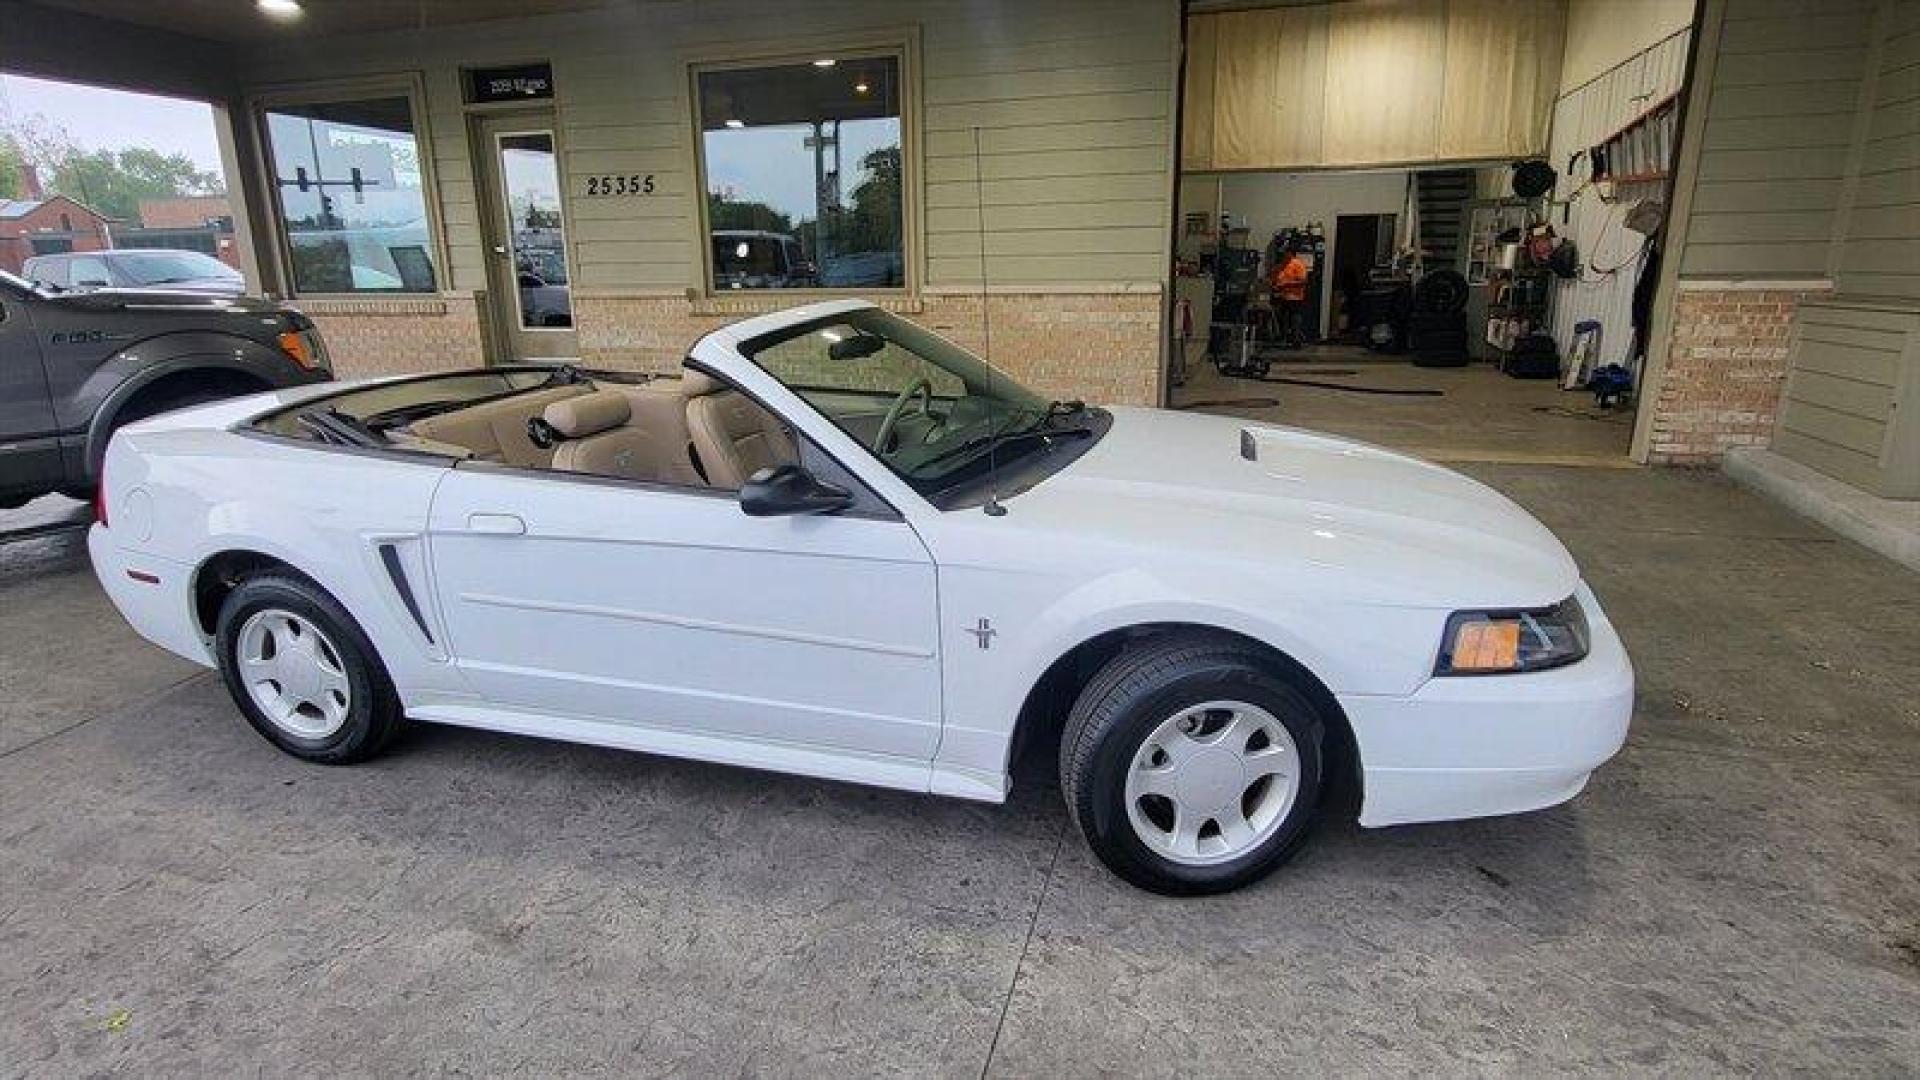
1496, 642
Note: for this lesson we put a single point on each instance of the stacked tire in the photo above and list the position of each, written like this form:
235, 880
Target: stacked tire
1437, 328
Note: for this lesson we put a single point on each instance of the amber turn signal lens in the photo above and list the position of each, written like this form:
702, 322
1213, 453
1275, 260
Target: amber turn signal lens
294, 344
1487, 646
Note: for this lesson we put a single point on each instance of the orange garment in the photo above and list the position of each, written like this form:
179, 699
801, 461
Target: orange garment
1290, 280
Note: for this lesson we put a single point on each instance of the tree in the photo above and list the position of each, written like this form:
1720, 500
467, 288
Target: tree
725, 212
13, 180
114, 182
110, 181
872, 223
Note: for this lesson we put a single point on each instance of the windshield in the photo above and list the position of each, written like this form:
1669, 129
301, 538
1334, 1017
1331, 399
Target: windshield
937, 415
164, 267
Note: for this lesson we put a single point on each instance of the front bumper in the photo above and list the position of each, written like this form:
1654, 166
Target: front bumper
1493, 744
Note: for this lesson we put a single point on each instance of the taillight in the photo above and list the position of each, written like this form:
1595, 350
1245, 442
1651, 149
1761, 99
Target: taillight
100, 497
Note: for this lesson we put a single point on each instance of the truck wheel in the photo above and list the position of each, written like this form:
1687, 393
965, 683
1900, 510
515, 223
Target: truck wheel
303, 673
1191, 766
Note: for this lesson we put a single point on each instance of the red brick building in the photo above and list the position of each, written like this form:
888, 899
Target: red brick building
46, 225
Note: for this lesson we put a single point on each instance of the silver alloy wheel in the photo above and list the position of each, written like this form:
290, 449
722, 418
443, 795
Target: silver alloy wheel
1212, 782
293, 673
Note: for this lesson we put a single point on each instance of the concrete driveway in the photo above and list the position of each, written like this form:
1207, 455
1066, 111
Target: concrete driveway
1738, 892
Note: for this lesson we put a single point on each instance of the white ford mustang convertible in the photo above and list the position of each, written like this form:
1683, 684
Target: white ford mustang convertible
840, 545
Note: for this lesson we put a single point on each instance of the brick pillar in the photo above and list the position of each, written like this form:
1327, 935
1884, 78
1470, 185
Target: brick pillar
1726, 363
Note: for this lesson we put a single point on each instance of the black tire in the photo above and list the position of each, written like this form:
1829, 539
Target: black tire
1441, 292
1122, 706
1426, 322
373, 713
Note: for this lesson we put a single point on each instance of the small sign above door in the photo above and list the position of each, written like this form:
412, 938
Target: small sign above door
522, 82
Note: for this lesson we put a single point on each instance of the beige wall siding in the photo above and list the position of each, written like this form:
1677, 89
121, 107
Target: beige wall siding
1880, 254
1853, 377
1073, 99
1780, 114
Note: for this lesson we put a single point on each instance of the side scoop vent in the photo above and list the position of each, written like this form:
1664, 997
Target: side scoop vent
390, 558
1249, 446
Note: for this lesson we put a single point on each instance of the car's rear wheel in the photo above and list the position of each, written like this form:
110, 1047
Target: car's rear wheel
303, 673
1192, 766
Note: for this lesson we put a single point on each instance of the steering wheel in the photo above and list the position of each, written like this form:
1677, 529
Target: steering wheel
899, 409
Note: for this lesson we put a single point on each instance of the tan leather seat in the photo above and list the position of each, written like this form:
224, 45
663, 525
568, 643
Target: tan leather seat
659, 409
734, 437
600, 438
497, 430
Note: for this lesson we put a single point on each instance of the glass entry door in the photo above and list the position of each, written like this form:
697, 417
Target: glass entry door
528, 270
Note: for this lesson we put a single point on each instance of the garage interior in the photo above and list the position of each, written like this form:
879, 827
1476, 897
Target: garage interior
1737, 893
1457, 304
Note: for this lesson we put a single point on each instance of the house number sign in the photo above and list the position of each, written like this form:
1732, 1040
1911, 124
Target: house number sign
619, 184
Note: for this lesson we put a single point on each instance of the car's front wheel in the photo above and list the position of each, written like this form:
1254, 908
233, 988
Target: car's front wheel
1191, 765
303, 673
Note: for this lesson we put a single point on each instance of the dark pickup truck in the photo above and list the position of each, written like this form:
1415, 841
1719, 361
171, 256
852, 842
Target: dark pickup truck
76, 366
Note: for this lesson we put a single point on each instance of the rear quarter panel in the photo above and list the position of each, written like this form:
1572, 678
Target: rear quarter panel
185, 494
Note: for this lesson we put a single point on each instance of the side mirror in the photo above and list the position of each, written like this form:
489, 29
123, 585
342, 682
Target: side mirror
789, 489
857, 346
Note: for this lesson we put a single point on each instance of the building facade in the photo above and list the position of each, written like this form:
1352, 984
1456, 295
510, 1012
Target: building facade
47, 226
1001, 172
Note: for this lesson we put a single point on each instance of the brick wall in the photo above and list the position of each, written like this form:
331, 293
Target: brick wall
1726, 363
1103, 347
392, 336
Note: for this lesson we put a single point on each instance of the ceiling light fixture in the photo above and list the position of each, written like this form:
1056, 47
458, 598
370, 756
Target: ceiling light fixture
826, 63
279, 9
736, 124
861, 87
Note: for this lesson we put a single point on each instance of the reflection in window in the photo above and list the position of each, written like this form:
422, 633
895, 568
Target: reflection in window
530, 181
352, 197
803, 168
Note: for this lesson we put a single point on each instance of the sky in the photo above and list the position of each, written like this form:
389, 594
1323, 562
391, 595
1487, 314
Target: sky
114, 119
773, 165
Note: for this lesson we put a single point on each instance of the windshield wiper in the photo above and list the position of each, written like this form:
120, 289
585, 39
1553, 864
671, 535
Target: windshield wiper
996, 441
337, 428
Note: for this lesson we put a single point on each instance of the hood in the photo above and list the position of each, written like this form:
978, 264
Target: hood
1316, 507
196, 297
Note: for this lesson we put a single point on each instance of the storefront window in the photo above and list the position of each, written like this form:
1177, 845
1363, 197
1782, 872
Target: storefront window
352, 196
804, 174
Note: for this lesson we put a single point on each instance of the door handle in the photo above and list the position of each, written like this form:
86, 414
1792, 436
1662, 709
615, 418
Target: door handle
496, 524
